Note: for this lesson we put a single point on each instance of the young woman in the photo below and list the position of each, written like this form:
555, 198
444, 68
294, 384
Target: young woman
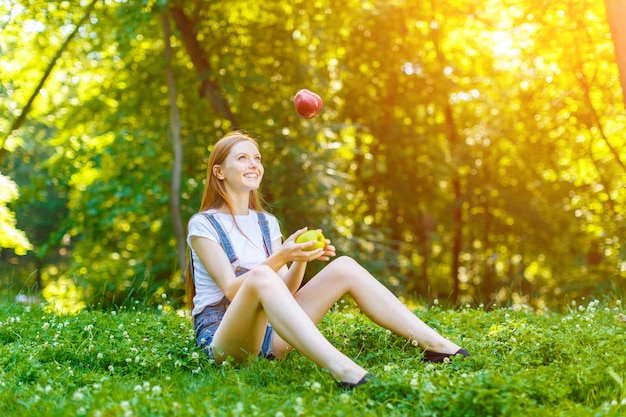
244, 282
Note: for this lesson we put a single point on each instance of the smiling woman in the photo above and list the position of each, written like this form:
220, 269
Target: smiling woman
245, 283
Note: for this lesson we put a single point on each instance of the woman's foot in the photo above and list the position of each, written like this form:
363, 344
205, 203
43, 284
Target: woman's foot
430, 356
352, 385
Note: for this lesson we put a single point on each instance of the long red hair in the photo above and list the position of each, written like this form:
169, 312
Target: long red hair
215, 195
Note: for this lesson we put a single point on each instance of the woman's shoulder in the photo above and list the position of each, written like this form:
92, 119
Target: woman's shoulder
202, 216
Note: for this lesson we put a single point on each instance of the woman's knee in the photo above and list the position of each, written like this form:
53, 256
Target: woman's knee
263, 277
344, 266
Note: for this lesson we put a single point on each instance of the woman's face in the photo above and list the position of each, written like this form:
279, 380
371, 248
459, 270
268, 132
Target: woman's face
242, 169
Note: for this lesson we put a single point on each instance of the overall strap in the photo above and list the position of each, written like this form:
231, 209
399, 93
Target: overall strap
224, 240
267, 240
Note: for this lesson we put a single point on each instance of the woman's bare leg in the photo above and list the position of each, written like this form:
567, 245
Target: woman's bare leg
264, 296
345, 276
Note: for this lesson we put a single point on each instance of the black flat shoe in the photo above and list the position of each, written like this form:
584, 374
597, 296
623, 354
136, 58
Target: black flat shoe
440, 357
350, 385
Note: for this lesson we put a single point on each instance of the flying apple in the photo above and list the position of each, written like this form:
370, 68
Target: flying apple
307, 103
309, 235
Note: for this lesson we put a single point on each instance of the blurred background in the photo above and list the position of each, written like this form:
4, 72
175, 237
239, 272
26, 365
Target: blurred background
467, 152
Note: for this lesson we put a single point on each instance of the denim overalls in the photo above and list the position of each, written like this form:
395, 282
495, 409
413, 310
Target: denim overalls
209, 319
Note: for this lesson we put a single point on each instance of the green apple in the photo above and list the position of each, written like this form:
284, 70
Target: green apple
309, 235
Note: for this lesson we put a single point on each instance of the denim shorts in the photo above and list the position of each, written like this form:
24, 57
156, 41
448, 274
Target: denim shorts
207, 322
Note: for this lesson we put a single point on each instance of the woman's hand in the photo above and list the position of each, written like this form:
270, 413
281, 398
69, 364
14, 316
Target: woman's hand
300, 251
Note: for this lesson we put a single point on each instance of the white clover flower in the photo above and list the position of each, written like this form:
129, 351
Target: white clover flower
387, 368
164, 296
414, 342
156, 390
88, 328
114, 313
618, 302
111, 368
45, 326
316, 386
81, 411
344, 398
195, 356
279, 414
47, 389
99, 355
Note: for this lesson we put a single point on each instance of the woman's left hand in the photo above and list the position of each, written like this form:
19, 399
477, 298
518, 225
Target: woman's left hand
329, 252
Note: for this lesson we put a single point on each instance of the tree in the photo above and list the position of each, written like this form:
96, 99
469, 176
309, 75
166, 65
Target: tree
616, 14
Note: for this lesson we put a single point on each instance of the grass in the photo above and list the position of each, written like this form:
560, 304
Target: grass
143, 362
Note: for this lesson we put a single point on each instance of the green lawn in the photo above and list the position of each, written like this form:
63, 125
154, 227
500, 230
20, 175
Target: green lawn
143, 362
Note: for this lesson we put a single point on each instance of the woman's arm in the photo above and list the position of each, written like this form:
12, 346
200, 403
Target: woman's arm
218, 266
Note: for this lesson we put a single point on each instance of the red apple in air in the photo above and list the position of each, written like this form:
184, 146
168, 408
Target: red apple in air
308, 104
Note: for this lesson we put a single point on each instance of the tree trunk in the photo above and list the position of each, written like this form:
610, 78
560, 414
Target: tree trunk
458, 239
208, 88
177, 143
616, 14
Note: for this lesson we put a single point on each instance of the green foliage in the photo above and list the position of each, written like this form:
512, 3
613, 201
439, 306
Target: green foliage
489, 135
139, 361
10, 237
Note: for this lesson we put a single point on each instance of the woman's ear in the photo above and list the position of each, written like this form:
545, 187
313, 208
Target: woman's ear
217, 171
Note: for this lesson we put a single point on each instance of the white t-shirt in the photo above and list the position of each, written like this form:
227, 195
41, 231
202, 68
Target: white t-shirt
248, 248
